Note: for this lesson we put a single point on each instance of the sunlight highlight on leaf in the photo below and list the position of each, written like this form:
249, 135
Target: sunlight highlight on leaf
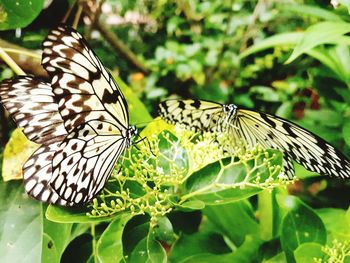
16, 153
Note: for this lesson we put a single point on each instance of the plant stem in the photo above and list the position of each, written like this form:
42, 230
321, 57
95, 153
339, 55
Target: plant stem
11, 63
77, 17
24, 52
266, 214
93, 235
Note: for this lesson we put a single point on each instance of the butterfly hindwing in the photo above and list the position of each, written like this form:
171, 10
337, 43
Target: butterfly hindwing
37, 173
195, 114
85, 160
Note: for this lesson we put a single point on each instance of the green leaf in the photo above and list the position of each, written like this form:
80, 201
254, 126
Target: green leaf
20, 225
321, 33
346, 131
72, 215
16, 153
190, 205
148, 250
311, 10
335, 222
135, 230
327, 117
334, 58
282, 39
234, 220
246, 253
19, 13
229, 180
345, 3
164, 231
56, 237
139, 114
110, 246
197, 244
171, 153
307, 252
300, 225
302, 173
281, 257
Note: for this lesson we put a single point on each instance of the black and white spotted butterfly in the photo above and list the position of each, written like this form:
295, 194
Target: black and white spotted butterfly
80, 119
251, 128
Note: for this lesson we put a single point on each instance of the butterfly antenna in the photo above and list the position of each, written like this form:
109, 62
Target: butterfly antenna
142, 139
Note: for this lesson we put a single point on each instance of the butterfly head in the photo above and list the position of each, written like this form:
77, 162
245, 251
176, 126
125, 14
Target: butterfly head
131, 132
229, 110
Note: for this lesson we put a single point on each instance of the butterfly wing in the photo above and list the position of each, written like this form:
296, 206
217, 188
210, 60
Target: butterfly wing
85, 160
194, 114
94, 112
295, 142
84, 89
37, 173
31, 104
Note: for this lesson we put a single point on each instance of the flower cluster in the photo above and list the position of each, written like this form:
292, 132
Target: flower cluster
149, 177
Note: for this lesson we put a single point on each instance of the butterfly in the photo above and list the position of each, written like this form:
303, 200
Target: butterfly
80, 119
252, 128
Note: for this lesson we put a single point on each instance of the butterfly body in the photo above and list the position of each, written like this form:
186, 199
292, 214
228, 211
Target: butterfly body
249, 128
80, 118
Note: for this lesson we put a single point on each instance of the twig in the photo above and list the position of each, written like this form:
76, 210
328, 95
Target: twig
26, 59
120, 47
93, 19
11, 63
23, 52
66, 16
116, 43
259, 6
77, 17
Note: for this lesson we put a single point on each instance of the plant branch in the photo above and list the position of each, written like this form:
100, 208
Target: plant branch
28, 60
257, 10
11, 63
120, 47
265, 205
93, 235
115, 42
77, 17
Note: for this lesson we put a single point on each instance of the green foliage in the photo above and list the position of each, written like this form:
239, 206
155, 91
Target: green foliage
177, 196
19, 13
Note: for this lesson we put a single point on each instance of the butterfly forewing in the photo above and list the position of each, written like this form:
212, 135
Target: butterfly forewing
30, 102
249, 128
297, 143
84, 89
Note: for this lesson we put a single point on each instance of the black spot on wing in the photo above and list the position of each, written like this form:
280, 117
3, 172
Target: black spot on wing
196, 104
110, 97
268, 120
